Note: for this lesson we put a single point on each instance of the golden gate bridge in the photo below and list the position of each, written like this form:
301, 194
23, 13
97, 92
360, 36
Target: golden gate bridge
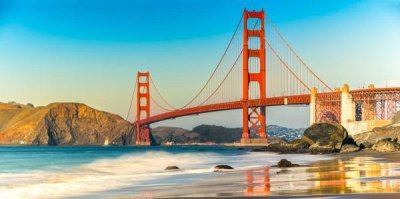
259, 68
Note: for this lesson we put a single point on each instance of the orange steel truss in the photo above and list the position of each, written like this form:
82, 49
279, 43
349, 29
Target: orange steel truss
143, 106
253, 116
328, 107
376, 104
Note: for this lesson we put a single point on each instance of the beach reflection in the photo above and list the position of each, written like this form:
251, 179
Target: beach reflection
258, 185
353, 175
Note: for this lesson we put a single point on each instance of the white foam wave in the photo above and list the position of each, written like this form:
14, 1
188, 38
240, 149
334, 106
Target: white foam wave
100, 175
126, 171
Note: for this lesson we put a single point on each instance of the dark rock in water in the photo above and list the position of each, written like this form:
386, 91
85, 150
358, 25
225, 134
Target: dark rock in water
286, 163
201, 149
172, 168
348, 148
386, 146
240, 148
222, 167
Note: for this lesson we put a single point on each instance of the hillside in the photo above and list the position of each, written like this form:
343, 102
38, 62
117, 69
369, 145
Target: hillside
217, 134
164, 135
62, 124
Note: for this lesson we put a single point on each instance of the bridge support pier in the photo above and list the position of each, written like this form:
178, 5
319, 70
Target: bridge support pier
143, 106
254, 124
143, 135
313, 103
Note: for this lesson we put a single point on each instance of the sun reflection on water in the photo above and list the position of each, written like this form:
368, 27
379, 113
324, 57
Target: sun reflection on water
353, 175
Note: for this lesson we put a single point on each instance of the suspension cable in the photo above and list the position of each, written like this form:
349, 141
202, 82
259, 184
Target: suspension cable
218, 65
159, 93
230, 70
286, 66
152, 99
294, 52
132, 98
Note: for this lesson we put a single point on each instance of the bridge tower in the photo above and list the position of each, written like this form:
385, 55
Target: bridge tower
143, 106
254, 124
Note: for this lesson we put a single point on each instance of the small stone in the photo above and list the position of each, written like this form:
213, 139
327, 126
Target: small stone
222, 167
286, 163
172, 168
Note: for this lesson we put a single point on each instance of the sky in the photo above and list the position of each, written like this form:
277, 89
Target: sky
89, 51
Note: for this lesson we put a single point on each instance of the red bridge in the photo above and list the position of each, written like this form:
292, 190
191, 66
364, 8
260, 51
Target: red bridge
257, 69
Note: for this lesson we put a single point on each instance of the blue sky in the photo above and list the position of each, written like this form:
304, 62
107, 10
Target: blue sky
89, 51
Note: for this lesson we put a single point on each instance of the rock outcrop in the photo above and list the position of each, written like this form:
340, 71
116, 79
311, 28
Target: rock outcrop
391, 131
320, 138
328, 138
63, 124
386, 145
349, 148
295, 146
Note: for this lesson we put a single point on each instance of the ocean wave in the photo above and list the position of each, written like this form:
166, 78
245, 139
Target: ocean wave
128, 171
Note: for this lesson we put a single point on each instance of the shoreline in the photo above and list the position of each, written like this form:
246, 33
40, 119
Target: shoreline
364, 174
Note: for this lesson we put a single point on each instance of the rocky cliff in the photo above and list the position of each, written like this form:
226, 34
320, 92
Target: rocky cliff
62, 124
391, 131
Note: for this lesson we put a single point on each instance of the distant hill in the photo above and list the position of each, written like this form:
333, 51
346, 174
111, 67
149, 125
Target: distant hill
217, 134
164, 135
62, 124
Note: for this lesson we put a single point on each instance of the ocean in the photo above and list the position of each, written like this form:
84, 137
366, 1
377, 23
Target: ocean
112, 172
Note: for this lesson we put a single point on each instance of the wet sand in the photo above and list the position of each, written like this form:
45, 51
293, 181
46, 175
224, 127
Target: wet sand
366, 174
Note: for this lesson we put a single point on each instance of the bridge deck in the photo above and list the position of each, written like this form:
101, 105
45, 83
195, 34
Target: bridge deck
272, 101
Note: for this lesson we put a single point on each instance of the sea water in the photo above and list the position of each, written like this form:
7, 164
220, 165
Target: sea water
108, 172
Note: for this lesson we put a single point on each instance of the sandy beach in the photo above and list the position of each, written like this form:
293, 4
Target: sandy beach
365, 174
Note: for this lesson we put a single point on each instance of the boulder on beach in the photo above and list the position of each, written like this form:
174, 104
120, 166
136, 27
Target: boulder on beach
222, 167
286, 163
329, 138
171, 168
386, 145
327, 134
